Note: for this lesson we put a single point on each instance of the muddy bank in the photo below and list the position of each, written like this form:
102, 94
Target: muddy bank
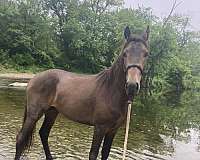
17, 75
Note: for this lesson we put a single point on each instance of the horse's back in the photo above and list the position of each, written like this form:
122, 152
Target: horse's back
49, 78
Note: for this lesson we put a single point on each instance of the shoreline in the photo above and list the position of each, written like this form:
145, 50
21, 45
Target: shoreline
17, 75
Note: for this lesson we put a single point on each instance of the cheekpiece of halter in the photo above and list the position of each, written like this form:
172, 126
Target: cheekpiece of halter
134, 66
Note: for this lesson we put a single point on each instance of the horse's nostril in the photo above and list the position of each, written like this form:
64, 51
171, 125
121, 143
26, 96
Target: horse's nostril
133, 88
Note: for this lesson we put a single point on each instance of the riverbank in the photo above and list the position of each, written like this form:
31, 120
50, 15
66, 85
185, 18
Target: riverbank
12, 73
17, 75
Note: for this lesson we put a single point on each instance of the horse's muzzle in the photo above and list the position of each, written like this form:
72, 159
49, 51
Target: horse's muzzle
132, 88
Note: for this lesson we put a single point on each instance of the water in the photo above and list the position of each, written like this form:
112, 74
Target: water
162, 128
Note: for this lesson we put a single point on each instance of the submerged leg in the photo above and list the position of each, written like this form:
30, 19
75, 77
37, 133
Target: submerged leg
24, 137
99, 133
50, 117
107, 144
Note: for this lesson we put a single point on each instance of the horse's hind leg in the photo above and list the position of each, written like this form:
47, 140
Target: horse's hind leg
25, 135
50, 117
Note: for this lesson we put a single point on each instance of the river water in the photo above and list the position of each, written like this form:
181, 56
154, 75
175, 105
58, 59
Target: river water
163, 127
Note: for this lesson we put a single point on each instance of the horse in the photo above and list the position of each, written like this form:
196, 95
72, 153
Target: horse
99, 100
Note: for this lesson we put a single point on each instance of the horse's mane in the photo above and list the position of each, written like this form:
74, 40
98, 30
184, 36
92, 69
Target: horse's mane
107, 76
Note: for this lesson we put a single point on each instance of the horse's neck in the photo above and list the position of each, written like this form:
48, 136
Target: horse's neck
111, 82
117, 76
118, 80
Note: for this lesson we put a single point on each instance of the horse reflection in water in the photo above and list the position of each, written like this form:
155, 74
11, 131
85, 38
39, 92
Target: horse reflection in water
99, 100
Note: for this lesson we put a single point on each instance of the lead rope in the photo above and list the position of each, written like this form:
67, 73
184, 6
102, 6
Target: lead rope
127, 129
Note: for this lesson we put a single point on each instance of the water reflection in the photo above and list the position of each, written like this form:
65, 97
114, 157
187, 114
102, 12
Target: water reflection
162, 127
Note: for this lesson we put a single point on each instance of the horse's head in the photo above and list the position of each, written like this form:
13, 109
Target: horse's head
135, 53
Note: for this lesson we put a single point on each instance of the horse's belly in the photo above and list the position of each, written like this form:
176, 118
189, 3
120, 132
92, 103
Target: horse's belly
80, 110
78, 116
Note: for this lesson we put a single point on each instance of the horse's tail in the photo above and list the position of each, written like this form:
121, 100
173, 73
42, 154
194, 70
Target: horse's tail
25, 112
28, 139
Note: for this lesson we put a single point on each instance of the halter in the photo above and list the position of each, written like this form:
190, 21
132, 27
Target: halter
134, 66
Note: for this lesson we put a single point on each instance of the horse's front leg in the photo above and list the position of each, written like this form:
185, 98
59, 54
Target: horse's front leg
107, 144
99, 133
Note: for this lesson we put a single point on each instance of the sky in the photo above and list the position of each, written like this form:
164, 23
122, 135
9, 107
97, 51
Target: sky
162, 8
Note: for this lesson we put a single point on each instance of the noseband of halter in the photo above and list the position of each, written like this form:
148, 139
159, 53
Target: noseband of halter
134, 66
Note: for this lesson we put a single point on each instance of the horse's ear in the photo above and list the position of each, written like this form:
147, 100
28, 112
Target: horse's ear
145, 35
127, 32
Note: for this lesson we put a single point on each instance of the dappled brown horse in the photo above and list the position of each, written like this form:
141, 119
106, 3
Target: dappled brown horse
99, 100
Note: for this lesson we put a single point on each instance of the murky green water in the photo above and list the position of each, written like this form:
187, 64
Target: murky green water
162, 128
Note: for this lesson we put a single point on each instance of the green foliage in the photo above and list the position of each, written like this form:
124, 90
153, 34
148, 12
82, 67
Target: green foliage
85, 36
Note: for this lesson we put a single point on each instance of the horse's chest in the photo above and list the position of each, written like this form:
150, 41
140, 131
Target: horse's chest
109, 116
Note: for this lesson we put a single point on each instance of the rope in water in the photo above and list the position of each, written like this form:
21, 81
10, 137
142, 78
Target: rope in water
127, 129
